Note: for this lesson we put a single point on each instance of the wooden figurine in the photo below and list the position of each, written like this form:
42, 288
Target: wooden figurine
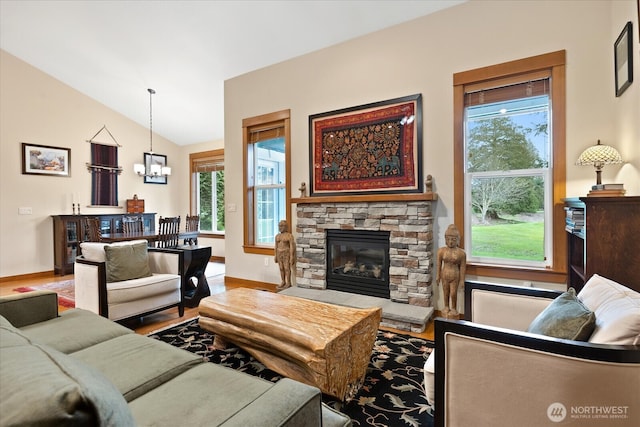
303, 190
452, 264
285, 254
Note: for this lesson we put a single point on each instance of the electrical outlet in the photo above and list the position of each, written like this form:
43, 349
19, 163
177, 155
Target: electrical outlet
266, 262
231, 207
25, 211
527, 283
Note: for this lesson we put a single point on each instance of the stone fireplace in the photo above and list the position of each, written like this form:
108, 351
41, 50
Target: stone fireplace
408, 221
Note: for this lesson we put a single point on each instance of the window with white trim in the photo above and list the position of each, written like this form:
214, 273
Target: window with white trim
266, 179
508, 175
207, 184
509, 167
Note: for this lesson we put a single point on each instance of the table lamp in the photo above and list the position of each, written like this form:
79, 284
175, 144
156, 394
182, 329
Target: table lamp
599, 155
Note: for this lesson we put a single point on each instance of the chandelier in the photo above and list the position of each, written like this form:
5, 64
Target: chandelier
152, 169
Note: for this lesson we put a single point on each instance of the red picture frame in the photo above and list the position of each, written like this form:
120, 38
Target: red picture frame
371, 148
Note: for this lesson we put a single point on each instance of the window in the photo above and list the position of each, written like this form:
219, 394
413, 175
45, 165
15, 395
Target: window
510, 168
266, 160
207, 189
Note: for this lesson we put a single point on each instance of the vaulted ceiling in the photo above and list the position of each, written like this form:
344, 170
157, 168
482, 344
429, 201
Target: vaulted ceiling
113, 50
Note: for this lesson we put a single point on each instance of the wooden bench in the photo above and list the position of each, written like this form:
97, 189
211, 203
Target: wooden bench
324, 345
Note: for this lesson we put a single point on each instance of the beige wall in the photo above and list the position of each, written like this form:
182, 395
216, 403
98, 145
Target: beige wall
38, 109
421, 57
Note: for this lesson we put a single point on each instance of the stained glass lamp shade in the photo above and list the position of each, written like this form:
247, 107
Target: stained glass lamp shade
599, 155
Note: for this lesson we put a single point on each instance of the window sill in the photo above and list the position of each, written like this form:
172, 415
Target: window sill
211, 235
260, 250
525, 274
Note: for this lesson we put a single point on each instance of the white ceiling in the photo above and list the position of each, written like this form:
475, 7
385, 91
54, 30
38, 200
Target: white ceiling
113, 50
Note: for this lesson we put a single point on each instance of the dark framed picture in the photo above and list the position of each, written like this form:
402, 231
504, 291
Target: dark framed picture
45, 160
372, 148
623, 54
153, 164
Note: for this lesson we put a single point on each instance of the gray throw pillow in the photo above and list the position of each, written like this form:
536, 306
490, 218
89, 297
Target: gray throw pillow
40, 386
566, 317
126, 262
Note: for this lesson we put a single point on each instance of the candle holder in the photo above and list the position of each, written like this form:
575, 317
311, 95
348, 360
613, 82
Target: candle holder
73, 205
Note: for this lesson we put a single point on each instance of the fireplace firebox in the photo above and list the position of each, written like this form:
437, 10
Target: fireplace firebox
358, 262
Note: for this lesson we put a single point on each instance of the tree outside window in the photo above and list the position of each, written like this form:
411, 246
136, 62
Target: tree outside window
211, 200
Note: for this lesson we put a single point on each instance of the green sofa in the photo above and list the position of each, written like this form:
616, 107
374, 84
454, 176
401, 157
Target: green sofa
78, 368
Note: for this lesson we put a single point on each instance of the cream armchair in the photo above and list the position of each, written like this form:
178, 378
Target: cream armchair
128, 279
489, 372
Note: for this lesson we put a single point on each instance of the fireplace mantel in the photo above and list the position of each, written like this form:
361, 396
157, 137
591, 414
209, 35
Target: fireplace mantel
409, 197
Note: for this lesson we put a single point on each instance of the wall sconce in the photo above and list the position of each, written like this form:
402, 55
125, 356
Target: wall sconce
155, 170
599, 155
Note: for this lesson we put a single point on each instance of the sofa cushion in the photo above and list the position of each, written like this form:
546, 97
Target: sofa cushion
566, 317
617, 310
125, 361
185, 397
430, 379
74, 330
41, 386
10, 335
125, 262
142, 288
94, 251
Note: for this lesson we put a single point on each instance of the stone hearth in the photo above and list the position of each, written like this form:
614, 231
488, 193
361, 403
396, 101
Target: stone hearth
410, 223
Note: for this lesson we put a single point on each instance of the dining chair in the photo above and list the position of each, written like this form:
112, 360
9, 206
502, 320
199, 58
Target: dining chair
92, 230
168, 230
132, 224
192, 224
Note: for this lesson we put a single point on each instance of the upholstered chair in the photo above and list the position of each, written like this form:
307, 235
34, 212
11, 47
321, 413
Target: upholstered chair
128, 279
532, 357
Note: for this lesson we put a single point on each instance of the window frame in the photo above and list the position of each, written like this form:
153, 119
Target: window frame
216, 156
554, 63
265, 121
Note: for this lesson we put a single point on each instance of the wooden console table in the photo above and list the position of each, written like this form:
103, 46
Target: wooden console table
324, 345
69, 231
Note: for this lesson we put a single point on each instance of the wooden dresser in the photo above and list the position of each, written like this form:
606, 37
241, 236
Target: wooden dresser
609, 245
69, 231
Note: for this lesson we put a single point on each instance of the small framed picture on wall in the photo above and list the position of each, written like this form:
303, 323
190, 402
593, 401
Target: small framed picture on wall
623, 59
45, 160
154, 163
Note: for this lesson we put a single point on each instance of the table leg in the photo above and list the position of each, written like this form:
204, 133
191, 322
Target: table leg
195, 263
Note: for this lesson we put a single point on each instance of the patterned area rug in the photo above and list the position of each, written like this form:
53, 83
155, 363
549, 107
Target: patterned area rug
65, 290
393, 391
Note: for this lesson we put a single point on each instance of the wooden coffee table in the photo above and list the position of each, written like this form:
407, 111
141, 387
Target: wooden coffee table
324, 345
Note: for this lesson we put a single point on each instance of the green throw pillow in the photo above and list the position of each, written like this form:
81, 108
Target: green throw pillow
566, 317
125, 262
40, 386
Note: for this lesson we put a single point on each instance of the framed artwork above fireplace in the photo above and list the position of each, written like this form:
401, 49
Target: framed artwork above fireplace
368, 149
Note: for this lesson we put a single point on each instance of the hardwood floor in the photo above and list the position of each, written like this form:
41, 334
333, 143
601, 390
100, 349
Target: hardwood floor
168, 317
